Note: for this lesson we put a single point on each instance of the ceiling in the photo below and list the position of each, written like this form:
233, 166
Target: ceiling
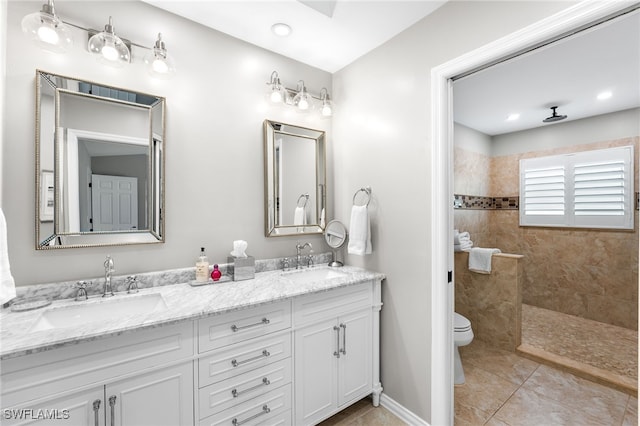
568, 74
330, 34
326, 34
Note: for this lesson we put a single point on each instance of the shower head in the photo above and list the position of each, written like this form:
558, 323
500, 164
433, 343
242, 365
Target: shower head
554, 117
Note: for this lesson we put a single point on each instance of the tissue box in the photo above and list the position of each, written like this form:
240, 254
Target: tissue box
241, 268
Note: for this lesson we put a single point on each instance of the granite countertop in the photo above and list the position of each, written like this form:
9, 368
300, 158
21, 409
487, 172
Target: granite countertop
183, 302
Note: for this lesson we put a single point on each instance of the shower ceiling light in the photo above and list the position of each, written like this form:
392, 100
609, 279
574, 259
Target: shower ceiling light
280, 29
604, 95
513, 117
47, 30
554, 117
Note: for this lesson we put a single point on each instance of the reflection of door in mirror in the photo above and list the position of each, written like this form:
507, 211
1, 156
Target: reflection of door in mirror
117, 145
296, 177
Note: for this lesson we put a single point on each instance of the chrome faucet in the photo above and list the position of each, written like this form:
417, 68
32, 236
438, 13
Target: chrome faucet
81, 290
299, 248
108, 270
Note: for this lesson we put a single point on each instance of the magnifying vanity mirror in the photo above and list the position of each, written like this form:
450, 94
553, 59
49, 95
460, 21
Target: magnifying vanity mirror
99, 164
335, 234
295, 179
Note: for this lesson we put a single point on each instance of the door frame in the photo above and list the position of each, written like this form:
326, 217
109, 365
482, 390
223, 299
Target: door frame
566, 22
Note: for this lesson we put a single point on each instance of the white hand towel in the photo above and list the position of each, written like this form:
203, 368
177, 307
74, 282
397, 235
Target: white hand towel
359, 231
480, 259
7, 284
299, 216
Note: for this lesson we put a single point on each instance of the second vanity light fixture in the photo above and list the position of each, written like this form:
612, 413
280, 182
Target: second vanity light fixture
298, 98
52, 33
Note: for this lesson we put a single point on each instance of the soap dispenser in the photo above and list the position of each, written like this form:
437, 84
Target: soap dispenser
202, 267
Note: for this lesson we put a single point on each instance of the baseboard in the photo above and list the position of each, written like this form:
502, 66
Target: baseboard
401, 412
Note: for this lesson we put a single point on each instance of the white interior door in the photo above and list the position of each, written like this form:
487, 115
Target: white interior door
114, 203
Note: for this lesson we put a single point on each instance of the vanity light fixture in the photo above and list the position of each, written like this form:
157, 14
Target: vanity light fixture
327, 105
158, 61
302, 100
47, 30
299, 98
109, 48
51, 33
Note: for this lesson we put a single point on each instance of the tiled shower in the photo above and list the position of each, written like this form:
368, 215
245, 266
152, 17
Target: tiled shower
587, 274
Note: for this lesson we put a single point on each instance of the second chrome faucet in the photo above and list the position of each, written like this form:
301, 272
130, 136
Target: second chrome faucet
108, 270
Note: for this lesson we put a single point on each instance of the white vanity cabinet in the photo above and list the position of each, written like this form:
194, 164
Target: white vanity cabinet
147, 375
336, 350
245, 367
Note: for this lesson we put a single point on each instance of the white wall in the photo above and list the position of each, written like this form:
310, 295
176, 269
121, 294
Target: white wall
381, 133
604, 127
471, 140
214, 145
3, 61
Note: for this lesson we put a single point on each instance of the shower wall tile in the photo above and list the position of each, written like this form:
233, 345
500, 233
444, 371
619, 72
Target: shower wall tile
590, 273
492, 302
471, 172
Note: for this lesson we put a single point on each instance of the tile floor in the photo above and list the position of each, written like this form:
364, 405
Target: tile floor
363, 413
505, 389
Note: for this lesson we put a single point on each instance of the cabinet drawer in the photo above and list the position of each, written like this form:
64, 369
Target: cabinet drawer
223, 330
267, 409
230, 392
240, 358
100, 361
317, 307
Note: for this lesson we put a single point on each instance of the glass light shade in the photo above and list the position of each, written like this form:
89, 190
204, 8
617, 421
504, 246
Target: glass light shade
47, 30
277, 93
109, 48
159, 63
327, 108
302, 100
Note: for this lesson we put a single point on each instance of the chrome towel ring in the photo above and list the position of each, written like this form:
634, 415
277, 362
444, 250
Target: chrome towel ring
367, 191
304, 197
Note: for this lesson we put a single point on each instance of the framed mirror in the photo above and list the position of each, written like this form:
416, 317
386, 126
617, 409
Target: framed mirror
99, 164
295, 179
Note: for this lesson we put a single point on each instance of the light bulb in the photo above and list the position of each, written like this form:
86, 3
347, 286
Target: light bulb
303, 103
159, 63
276, 97
326, 110
48, 35
160, 66
109, 52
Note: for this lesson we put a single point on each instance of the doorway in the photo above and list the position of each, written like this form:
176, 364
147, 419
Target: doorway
554, 28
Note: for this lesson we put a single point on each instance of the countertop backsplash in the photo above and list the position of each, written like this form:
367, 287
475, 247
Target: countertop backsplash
67, 289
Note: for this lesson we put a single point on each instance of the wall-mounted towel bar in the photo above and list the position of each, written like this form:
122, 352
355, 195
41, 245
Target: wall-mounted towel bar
367, 191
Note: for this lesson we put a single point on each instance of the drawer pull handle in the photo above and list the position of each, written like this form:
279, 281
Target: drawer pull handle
337, 352
265, 353
96, 408
265, 382
265, 410
235, 328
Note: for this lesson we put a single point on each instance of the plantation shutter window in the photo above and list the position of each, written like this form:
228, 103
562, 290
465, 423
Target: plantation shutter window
592, 189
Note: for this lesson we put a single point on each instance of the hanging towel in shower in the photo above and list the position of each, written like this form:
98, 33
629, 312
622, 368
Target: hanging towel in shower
480, 259
359, 231
299, 216
7, 285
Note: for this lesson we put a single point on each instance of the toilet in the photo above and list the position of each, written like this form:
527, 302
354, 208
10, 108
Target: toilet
462, 336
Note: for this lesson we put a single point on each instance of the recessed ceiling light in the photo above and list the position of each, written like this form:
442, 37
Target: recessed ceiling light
281, 29
604, 95
513, 117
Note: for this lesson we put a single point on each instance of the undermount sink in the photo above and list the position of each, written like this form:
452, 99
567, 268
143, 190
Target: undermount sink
99, 310
304, 276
